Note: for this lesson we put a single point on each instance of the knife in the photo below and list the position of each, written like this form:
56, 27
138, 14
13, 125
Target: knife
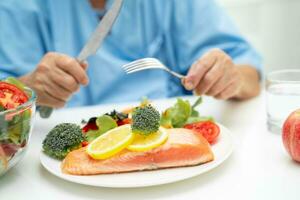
93, 43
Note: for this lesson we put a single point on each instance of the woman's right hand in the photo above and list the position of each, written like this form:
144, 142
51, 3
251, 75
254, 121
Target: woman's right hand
56, 78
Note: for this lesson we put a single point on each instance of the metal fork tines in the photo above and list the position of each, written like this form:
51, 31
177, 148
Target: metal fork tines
148, 63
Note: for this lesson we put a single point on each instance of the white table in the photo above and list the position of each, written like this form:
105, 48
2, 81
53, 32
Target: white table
259, 168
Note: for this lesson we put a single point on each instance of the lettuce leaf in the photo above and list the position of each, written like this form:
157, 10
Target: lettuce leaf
177, 115
104, 123
192, 119
182, 113
195, 113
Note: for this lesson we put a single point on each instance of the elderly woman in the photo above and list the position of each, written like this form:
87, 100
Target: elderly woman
40, 38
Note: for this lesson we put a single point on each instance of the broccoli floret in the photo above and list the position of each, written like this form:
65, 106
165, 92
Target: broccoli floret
62, 139
145, 120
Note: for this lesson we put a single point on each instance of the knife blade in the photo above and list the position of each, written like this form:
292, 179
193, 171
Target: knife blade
101, 31
93, 43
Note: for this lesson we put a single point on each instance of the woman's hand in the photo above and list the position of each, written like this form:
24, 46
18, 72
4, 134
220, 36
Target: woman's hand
216, 75
55, 79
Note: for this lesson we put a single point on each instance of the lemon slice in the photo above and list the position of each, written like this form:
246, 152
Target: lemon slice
145, 143
111, 142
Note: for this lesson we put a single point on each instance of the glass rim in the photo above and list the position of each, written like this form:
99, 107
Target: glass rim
25, 105
278, 80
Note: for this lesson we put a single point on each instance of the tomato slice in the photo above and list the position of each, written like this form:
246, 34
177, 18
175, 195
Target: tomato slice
11, 96
91, 125
209, 130
124, 121
84, 143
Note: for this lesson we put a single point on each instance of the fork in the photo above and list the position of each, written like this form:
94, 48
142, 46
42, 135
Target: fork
148, 63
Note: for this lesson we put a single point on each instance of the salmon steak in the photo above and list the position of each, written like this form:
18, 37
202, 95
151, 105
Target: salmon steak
183, 148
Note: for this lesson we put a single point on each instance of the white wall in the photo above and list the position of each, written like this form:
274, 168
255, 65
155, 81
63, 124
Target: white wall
273, 26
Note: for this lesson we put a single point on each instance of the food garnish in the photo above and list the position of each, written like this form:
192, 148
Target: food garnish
145, 120
117, 116
177, 115
124, 121
208, 129
104, 123
182, 113
84, 143
62, 139
90, 125
145, 143
110, 143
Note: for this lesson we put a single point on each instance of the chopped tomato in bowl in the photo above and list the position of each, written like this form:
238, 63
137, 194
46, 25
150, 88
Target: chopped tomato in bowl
11, 96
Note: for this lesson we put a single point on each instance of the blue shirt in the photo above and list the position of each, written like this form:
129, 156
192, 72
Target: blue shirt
175, 31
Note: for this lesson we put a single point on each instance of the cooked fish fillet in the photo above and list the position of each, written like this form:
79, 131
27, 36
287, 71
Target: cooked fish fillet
183, 148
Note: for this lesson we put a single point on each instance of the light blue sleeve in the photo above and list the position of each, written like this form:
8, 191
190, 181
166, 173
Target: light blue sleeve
200, 25
24, 37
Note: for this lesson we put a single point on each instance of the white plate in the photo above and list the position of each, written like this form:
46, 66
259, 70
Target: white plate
222, 150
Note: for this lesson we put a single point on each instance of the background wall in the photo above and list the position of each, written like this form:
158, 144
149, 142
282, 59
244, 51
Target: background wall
273, 27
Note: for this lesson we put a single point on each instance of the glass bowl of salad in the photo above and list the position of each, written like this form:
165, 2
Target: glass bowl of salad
17, 110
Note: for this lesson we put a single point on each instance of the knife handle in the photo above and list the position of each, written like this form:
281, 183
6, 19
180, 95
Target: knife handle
45, 111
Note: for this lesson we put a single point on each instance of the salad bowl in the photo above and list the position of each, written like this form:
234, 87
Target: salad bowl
15, 130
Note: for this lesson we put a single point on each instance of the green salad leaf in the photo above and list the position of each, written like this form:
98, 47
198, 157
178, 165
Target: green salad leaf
182, 113
199, 119
1, 108
25, 126
195, 113
15, 82
91, 135
195, 116
177, 115
104, 123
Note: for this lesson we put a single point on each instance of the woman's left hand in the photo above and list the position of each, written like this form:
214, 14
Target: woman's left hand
215, 74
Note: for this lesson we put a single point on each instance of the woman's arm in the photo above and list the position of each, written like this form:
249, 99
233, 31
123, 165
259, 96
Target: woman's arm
215, 74
250, 86
219, 60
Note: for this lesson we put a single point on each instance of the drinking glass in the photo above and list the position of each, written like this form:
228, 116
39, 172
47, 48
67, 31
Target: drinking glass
283, 97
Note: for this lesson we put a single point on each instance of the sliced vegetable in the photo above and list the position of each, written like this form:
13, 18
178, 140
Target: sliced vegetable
124, 121
145, 143
90, 125
209, 130
110, 143
11, 96
84, 143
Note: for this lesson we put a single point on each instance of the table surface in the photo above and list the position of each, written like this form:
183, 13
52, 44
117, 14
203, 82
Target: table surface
259, 167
